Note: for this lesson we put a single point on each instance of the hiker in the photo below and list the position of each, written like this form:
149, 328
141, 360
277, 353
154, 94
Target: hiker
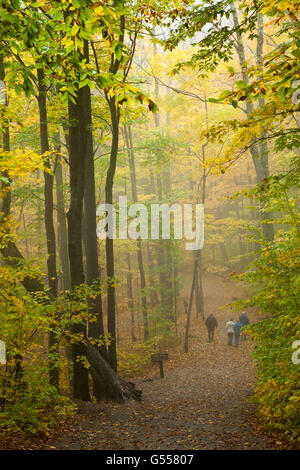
237, 331
244, 321
211, 323
230, 330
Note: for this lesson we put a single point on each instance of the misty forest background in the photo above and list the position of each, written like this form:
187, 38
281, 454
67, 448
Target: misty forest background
166, 102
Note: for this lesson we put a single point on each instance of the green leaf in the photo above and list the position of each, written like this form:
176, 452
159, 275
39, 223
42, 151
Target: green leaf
296, 53
213, 100
118, 52
224, 94
241, 84
74, 30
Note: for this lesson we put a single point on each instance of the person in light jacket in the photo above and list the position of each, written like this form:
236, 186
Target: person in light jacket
230, 331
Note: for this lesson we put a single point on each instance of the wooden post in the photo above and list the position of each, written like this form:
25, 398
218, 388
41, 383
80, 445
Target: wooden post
161, 369
159, 358
188, 308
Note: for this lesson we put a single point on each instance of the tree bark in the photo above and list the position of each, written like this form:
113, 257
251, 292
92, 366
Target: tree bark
259, 153
62, 231
130, 299
49, 222
130, 152
111, 385
95, 328
188, 309
153, 288
77, 155
109, 246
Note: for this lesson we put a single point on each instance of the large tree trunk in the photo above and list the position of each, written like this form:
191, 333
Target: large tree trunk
95, 328
77, 153
109, 246
111, 385
49, 222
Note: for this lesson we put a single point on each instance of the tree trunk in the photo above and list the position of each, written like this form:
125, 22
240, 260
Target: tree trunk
62, 231
175, 293
197, 295
223, 253
96, 328
188, 309
163, 252
130, 298
259, 153
200, 268
49, 223
111, 385
77, 154
5, 144
10, 253
153, 288
129, 145
109, 246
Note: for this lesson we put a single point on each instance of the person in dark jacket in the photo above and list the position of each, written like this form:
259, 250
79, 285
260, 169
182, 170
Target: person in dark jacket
237, 331
244, 320
211, 323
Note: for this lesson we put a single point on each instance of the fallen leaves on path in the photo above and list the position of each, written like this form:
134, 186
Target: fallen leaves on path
202, 403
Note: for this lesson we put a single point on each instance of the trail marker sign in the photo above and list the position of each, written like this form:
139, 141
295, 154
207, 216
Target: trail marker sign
159, 358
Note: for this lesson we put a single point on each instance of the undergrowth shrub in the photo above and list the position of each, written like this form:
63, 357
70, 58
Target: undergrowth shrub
28, 403
135, 358
275, 275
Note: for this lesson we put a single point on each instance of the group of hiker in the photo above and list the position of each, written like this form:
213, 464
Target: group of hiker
233, 328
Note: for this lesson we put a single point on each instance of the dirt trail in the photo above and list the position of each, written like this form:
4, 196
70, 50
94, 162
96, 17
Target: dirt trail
201, 403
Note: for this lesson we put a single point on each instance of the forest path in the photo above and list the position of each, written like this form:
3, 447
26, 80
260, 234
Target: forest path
200, 404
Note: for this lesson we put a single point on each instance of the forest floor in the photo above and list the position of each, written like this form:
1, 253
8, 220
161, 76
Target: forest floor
202, 403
